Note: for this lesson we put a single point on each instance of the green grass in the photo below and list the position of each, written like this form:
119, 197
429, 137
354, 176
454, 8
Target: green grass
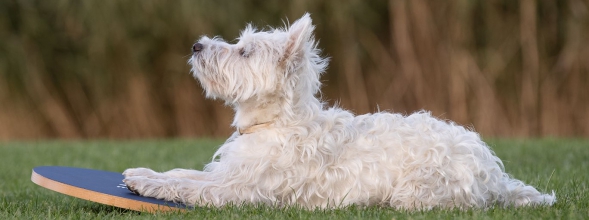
550, 164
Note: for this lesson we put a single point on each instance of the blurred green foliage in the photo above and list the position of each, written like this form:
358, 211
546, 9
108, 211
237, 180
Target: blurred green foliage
117, 69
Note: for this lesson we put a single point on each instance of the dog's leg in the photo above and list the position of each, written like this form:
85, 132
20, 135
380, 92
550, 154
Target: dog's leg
186, 173
144, 172
175, 173
181, 190
521, 194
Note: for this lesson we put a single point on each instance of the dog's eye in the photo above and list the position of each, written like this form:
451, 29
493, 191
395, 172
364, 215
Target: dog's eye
244, 52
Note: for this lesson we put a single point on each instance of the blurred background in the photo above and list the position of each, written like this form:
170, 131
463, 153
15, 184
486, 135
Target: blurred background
118, 69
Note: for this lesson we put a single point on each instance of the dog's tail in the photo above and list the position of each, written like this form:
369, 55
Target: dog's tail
520, 194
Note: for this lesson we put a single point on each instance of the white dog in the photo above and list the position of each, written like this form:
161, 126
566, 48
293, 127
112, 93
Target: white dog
289, 148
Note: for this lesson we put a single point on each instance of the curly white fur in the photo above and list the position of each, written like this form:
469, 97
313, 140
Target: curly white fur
314, 156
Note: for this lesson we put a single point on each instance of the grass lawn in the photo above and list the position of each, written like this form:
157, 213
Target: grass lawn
561, 165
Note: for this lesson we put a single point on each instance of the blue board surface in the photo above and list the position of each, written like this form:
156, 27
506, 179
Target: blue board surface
105, 182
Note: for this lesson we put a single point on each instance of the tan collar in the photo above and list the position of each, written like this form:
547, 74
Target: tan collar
253, 128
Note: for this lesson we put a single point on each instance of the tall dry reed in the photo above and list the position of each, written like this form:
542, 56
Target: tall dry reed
117, 69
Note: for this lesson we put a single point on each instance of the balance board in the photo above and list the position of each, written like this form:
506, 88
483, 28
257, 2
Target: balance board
98, 186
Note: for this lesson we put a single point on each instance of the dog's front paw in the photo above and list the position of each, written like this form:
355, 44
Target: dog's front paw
148, 187
131, 186
131, 172
141, 185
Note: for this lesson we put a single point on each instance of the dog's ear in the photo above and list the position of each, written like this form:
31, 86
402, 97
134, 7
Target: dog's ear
300, 34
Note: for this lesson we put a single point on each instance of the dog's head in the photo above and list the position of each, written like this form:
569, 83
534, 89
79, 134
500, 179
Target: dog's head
279, 63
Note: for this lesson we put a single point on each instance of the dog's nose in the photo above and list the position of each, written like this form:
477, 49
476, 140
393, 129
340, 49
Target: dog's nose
197, 47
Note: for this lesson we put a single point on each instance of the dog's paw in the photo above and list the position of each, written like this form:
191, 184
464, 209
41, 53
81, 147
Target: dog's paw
147, 187
131, 172
131, 186
140, 185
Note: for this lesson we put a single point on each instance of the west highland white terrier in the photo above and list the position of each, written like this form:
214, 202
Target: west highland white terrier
290, 149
